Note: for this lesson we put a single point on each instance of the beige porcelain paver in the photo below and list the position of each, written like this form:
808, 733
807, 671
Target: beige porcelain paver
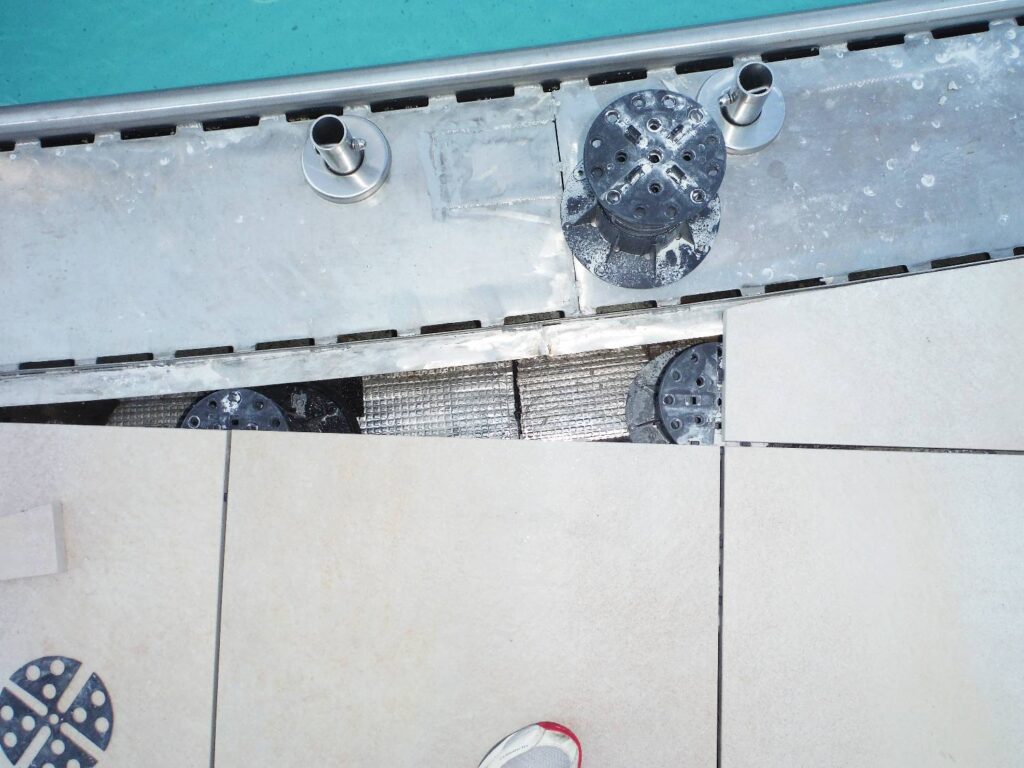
408, 602
873, 609
137, 601
926, 361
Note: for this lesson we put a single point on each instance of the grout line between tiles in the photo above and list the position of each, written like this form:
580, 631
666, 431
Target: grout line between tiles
721, 584
904, 449
220, 598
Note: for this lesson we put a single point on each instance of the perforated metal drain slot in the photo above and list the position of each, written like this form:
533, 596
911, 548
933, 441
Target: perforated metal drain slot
677, 397
642, 208
73, 734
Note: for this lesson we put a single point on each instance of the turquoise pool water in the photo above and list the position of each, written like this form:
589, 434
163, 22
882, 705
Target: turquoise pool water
61, 49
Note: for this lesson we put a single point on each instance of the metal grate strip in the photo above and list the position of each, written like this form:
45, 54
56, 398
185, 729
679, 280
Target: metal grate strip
151, 411
577, 397
471, 401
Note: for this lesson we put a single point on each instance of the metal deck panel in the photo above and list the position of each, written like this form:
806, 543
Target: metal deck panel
213, 238
881, 146
879, 149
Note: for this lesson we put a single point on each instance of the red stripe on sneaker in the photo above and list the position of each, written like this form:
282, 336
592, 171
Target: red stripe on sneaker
558, 728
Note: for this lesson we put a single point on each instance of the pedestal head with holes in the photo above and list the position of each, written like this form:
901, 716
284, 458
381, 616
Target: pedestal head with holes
236, 409
677, 397
75, 730
641, 210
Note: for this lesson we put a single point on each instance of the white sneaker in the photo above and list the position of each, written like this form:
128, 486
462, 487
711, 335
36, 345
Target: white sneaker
541, 745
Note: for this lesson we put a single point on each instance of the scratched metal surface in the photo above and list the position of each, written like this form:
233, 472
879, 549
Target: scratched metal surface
213, 238
891, 156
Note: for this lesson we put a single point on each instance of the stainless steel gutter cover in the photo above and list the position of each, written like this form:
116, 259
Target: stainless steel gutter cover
120, 256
